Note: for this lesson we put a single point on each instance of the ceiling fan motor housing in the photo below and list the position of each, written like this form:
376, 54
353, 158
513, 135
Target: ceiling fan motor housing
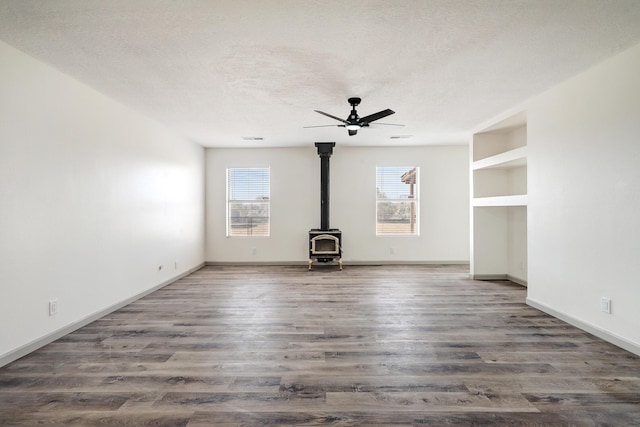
353, 116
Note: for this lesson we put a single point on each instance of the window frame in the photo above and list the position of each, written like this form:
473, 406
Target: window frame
266, 201
414, 207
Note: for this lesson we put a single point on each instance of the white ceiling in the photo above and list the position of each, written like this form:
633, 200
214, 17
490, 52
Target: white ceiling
216, 71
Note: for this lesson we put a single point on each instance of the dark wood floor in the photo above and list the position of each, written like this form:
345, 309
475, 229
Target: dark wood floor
390, 345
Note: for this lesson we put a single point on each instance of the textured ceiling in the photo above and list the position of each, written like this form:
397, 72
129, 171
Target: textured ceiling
218, 71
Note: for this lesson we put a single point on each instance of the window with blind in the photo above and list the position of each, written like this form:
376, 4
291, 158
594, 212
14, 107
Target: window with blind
248, 201
397, 200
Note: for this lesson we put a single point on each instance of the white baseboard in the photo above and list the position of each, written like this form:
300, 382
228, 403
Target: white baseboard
489, 276
388, 262
517, 280
305, 263
588, 327
255, 263
59, 333
499, 277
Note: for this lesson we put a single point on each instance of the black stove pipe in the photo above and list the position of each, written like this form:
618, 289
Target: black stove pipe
325, 149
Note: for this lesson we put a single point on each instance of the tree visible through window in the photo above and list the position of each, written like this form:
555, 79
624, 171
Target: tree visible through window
248, 201
397, 200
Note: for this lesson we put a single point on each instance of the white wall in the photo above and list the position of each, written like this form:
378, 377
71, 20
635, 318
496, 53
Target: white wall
517, 243
295, 204
584, 198
295, 193
93, 198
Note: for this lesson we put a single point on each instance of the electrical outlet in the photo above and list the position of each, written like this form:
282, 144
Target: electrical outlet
392, 251
53, 307
254, 251
605, 305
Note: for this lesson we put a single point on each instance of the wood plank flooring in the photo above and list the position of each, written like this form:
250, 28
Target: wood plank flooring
383, 345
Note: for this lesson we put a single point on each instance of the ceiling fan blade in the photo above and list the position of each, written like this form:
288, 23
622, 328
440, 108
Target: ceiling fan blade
322, 126
329, 115
387, 124
352, 132
375, 116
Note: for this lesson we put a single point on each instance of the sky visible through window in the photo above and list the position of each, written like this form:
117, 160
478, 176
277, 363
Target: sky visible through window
389, 182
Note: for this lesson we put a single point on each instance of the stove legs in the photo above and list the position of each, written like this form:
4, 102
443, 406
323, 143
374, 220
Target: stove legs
339, 263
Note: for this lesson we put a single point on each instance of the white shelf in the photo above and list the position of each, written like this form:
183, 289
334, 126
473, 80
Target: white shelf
505, 160
517, 200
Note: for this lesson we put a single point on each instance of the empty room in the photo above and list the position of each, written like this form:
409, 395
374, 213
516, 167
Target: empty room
304, 212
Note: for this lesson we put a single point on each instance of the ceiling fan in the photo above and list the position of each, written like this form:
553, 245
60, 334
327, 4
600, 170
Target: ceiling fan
353, 123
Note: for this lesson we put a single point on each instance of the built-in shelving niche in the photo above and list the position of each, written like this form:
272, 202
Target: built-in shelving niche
499, 201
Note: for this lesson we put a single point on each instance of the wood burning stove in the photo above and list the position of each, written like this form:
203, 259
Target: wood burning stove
325, 244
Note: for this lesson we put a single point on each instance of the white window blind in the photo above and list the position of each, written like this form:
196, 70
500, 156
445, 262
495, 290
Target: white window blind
248, 201
397, 200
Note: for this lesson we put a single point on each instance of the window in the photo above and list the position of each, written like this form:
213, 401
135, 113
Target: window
248, 201
397, 200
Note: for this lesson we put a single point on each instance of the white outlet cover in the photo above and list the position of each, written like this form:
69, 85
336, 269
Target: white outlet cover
53, 307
